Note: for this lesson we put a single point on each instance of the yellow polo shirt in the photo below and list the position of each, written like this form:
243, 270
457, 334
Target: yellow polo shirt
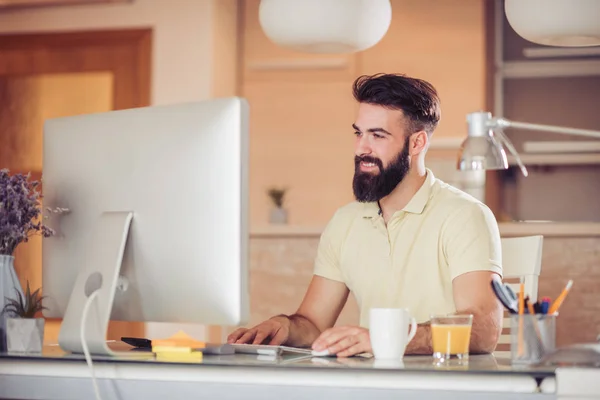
410, 263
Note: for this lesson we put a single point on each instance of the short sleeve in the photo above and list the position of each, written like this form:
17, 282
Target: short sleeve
472, 241
327, 262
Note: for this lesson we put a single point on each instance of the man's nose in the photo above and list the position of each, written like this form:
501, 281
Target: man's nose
363, 147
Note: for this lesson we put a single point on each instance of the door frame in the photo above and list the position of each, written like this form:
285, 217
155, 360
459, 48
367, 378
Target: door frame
126, 53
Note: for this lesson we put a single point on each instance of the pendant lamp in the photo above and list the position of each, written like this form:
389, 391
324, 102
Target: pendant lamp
568, 23
325, 26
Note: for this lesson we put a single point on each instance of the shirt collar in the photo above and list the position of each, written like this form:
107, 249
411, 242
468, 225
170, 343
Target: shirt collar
416, 205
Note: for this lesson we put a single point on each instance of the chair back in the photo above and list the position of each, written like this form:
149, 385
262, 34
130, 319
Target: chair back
521, 258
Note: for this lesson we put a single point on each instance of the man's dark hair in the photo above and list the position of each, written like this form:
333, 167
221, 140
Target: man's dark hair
417, 98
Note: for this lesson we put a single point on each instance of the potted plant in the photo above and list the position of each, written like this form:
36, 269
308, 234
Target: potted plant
20, 219
278, 214
24, 332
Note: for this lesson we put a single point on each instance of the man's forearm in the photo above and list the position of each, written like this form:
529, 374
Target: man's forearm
484, 335
421, 343
485, 331
302, 332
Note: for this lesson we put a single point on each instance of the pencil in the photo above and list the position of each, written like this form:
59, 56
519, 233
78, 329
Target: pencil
532, 315
559, 300
530, 307
521, 312
522, 297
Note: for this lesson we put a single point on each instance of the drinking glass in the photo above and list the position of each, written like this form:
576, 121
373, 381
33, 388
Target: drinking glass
451, 336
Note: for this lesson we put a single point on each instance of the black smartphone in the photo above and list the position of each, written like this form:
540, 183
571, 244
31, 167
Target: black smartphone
138, 342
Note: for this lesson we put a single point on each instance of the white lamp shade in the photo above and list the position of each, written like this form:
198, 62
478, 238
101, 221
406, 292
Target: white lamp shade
325, 26
569, 23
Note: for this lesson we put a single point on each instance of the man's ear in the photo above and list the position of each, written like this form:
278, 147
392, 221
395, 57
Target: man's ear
419, 142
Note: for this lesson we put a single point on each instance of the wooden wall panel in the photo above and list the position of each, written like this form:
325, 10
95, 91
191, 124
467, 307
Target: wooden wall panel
302, 106
227, 47
443, 42
304, 145
265, 61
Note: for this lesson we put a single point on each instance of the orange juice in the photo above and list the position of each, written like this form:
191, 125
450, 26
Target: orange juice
451, 339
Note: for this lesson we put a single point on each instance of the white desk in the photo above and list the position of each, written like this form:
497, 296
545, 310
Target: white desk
55, 375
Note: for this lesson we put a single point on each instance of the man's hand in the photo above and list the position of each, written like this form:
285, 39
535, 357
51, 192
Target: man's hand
321, 306
344, 341
274, 331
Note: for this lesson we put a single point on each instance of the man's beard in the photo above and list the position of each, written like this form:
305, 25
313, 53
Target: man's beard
370, 187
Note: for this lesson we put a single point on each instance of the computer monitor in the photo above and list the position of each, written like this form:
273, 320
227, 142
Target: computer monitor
154, 217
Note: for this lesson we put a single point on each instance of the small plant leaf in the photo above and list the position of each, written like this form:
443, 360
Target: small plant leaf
25, 306
277, 196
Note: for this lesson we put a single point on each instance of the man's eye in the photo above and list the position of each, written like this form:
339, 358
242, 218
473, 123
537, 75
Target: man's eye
357, 133
378, 136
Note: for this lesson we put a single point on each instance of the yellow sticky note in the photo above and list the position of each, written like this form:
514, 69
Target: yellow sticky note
180, 339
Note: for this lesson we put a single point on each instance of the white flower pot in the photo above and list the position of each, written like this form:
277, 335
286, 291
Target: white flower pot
10, 288
278, 216
25, 335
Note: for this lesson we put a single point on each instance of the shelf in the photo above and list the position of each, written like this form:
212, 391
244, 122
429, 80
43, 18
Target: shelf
550, 229
560, 52
507, 229
557, 159
562, 147
549, 69
446, 143
277, 231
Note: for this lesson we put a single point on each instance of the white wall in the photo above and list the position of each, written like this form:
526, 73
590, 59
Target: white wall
182, 56
182, 60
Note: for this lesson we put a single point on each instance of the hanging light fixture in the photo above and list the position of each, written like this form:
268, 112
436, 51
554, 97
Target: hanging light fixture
325, 26
568, 23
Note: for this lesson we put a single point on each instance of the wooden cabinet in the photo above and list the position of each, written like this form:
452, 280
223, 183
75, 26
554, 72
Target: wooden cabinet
550, 86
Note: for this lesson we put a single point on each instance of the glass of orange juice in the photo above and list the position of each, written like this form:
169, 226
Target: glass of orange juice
450, 336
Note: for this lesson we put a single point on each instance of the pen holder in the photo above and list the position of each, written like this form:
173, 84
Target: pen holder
532, 337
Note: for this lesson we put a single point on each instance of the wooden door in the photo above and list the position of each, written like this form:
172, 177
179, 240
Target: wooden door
62, 74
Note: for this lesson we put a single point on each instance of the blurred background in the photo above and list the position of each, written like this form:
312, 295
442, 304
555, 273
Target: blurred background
69, 57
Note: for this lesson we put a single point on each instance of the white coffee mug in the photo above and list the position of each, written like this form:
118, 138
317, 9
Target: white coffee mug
389, 332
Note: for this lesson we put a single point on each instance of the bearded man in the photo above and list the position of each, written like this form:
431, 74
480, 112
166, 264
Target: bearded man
408, 241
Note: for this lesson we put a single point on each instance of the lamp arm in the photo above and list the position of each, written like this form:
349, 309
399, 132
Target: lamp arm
504, 123
504, 139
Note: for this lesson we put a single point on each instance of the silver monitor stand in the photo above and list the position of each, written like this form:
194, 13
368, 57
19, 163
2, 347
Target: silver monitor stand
101, 273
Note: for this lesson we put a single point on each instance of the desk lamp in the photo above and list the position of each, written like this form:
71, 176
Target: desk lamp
483, 150
483, 147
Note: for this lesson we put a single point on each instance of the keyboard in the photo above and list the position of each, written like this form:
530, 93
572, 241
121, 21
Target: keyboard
270, 350
223, 348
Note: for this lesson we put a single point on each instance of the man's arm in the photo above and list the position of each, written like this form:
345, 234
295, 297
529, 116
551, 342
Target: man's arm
472, 295
421, 343
322, 305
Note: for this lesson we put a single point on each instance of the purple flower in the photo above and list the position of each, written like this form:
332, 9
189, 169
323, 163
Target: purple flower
19, 211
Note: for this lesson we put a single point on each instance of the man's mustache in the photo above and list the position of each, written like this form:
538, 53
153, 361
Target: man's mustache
368, 159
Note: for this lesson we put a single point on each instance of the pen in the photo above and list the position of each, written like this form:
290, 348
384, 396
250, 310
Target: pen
545, 305
559, 300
